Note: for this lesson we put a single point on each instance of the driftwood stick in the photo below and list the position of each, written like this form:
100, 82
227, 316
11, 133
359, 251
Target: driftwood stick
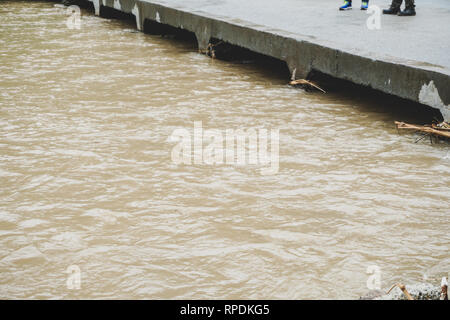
403, 288
306, 82
422, 137
425, 129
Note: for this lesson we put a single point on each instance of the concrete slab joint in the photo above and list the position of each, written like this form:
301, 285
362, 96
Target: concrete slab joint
429, 95
96, 4
203, 38
117, 5
297, 70
137, 12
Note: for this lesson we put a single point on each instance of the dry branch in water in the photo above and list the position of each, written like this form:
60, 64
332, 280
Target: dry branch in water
403, 288
441, 130
304, 82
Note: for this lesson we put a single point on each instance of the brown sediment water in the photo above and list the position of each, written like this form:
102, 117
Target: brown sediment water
87, 178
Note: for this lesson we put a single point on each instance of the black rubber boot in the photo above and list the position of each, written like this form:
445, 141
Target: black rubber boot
392, 10
409, 11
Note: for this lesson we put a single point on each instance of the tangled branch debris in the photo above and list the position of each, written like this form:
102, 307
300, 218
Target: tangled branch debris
403, 288
437, 130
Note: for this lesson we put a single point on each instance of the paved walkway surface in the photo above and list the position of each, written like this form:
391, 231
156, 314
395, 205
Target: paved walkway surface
422, 41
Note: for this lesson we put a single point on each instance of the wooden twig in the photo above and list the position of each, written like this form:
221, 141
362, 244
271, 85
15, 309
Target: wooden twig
425, 129
422, 137
295, 82
306, 82
403, 288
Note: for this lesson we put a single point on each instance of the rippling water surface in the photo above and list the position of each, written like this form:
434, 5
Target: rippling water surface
87, 177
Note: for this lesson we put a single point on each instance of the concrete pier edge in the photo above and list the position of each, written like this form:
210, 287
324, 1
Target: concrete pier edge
428, 85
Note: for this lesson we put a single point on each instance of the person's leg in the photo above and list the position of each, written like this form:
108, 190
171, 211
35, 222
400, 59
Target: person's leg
395, 7
364, 4
409, 9
410, 3
347, 5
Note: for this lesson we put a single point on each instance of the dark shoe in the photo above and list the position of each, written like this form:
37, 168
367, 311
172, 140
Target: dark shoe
392, 10
407, 12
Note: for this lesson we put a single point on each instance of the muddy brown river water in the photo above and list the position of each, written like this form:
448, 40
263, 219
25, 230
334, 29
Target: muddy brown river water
88, 182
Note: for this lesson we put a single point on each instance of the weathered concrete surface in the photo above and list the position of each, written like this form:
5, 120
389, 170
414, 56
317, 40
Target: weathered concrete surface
408, 57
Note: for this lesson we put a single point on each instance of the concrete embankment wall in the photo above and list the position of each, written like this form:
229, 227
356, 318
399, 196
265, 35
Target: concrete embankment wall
426, 85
